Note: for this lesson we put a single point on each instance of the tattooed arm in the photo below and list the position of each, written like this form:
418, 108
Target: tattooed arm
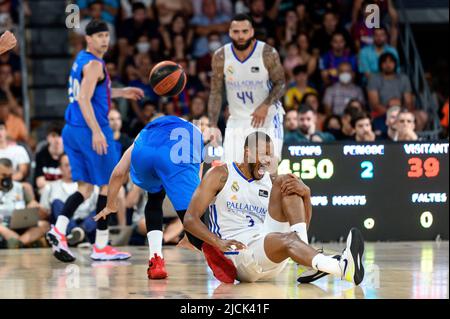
215, 96
276, 73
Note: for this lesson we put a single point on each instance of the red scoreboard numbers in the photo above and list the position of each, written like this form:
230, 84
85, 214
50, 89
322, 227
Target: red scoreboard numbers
418, 167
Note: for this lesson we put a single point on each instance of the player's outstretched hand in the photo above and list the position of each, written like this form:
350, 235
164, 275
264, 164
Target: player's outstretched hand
132, 93
215, 136
105, 212
230, 245
259, 116
294, 185
7, 42
99, 144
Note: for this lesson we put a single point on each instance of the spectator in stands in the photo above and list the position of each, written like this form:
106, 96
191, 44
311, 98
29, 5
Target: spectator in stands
391, 120
138, 73
362, 35
149, 109
209, 21
386, 10
330, 61
173, 228
123, 141
7, 89
214, 43
350, 112
339, 94
47, 159
291, 60
224, 6
55, 194
379, 124
94, 12
13, 196
290, 123
15, 153
133, 28
194, 85
286, 34
307, 131
333, 125
387, 85
306, 57
264, 26
362, 125
198, 108
178, 27
312, 100
405, 126
298, 89
117, 82
166, 10
369, 55
322, 39
15, 126
109, 11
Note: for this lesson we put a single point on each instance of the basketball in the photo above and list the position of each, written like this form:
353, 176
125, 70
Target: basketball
167, 78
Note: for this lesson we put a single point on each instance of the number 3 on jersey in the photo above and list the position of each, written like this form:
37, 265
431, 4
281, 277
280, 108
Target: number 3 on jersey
74, 89
245, 96
251, 222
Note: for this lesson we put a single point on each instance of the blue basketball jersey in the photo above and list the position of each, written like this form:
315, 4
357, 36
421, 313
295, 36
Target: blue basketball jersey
101, 100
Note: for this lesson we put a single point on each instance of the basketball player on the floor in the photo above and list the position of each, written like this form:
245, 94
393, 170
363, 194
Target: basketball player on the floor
260, 233
156, 165
254, 81
88, 140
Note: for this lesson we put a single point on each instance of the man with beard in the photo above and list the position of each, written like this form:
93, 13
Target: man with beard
260, 222
307, 131
387, 85
254, 81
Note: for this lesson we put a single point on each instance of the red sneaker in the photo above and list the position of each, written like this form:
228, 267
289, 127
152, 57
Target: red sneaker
222, 267
156, 268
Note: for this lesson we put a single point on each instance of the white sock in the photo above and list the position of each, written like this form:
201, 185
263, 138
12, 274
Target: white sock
300, 229
61, 224
155, 243
101, 238
327, 264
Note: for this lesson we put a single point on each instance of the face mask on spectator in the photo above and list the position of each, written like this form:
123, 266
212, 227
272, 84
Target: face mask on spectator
214, 45
345, 78
143, 47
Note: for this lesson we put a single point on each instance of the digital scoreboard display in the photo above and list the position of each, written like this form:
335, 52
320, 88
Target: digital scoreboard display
391, 191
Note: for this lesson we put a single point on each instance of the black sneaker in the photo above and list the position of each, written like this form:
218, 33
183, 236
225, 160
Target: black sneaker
76, 236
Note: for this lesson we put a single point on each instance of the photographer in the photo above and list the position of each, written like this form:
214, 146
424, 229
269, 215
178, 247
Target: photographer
14, 195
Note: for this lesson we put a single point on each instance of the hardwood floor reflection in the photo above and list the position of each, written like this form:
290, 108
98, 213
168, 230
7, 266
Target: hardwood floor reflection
393, 270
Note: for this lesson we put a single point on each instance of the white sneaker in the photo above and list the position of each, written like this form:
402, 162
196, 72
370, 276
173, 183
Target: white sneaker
351, 260
306, 275
58, 241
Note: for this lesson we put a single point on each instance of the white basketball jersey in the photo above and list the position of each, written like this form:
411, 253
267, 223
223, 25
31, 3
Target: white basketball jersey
240, 208
247, 82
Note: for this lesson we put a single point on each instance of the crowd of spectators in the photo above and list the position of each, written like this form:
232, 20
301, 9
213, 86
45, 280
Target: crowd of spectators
344, 83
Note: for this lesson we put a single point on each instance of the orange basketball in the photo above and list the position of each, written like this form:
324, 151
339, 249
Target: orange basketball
168, 78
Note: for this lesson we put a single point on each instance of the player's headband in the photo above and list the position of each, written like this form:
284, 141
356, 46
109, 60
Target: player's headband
95, 27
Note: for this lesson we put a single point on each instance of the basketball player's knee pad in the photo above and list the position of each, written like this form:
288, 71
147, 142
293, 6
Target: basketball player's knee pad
153, 211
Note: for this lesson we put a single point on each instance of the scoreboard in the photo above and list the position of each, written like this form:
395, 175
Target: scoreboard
390, 191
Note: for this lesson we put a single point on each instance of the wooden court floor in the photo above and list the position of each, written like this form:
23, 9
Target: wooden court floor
393, 270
